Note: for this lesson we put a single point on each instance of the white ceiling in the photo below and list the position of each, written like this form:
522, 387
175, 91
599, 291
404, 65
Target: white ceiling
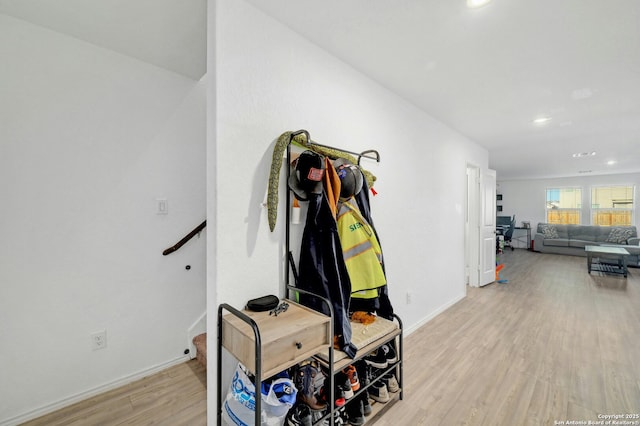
486, 72
167, 33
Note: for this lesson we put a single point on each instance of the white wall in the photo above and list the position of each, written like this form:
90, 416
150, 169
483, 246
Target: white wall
88, 140
270, 80
527, 198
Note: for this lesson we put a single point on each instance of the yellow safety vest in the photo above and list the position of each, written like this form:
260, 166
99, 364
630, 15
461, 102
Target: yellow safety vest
361, 251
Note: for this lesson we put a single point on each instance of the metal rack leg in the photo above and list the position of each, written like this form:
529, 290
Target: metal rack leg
219, 370
258, 364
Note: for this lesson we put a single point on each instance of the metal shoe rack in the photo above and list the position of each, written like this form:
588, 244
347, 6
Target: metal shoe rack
268, 344
247, 344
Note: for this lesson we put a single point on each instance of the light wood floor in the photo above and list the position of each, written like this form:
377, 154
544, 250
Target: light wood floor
553, 344
174, 397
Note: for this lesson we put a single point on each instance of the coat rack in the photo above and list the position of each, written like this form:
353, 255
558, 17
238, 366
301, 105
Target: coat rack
310, 145
348, 347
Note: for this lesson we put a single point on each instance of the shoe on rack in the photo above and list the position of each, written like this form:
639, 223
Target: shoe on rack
355, 413
339, 418
377, 359
338, 395
378, 392
299, 415
391, 382
389, 352
343, 385
366, 405
364, 372
352, 374
313, 402
305, 378
316, 415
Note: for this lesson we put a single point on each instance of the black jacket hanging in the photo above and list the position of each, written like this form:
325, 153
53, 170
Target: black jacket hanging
322, 269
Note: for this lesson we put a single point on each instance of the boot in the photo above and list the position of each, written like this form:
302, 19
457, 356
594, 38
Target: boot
305, 378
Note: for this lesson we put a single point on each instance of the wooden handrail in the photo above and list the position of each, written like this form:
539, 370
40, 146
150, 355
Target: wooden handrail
183, 241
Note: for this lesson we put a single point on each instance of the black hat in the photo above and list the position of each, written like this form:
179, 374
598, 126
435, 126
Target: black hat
350, 178
308, 174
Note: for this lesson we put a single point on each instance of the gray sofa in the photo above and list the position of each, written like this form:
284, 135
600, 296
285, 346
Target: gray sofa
572, 239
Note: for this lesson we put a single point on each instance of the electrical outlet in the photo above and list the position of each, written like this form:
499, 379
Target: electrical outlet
409, 296
99, 340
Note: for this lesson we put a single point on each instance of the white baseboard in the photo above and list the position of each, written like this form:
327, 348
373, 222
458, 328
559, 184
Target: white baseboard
432, 315
65, 402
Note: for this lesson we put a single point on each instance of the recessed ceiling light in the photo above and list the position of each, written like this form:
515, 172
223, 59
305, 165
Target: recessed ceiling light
541, 120
472, 4
611, 162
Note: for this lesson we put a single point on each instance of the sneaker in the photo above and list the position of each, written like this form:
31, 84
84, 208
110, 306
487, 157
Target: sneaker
355, 413
343, 385
389, 353
316, 415
391, 382
352, 374
339, 401
299, 415
378, 392
339, 418
377, 359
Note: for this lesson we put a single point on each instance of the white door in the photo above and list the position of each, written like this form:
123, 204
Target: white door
488, 227
472, 227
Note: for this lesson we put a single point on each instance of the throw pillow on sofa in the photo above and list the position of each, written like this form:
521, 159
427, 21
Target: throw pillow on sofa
549, 231
619, 235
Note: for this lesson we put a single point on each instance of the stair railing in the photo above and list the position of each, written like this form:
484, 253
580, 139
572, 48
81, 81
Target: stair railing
187, 237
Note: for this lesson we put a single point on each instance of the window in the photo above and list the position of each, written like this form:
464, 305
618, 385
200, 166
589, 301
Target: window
563, 205
612, 205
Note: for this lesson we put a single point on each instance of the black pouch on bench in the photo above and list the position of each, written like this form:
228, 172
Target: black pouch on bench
264, 303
